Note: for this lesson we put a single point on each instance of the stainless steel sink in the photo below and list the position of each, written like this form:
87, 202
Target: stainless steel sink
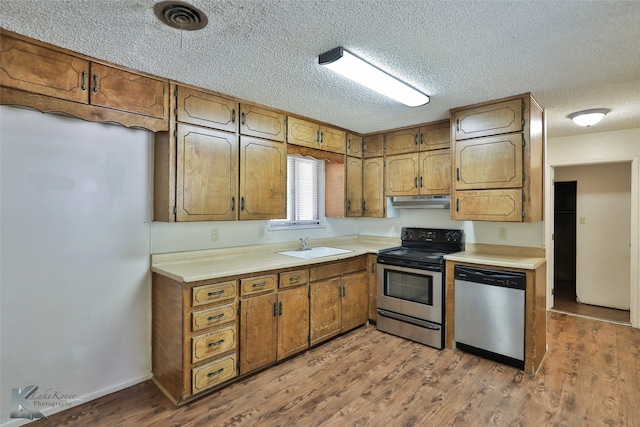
317, 252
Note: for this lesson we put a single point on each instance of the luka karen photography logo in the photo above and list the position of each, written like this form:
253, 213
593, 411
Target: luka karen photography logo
25, 402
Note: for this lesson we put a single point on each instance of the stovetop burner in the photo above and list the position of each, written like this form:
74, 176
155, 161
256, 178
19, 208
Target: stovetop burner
423, 248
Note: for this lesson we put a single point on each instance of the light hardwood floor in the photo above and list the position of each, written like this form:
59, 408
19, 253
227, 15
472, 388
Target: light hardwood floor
591, 377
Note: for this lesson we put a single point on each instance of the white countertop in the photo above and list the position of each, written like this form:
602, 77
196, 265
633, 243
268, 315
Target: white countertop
497, 260
217, 263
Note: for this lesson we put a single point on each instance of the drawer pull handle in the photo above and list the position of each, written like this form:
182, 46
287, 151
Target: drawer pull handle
217, 316
84, 81
219, 371
212, 344
259, 285
294, 278
214, 293
95, 83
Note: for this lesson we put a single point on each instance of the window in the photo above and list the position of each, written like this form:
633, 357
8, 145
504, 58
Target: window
305, 194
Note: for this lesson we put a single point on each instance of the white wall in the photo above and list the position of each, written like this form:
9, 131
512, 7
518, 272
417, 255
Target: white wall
176, 237
75, 232
597, 148
603, 236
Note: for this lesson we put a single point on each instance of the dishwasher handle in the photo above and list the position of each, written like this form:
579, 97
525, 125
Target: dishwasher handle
507, 279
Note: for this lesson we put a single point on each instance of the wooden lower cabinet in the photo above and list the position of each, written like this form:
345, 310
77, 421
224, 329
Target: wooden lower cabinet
194, 335
338, 298
208, 334
273, 326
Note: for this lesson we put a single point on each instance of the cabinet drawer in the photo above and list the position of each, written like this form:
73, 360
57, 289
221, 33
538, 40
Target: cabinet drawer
491, 119
214, 316
206, 376
208, 294
336, 269
256, 285
294, 278
213, 343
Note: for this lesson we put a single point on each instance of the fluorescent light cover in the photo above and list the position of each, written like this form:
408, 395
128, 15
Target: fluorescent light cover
357, 69
588, 117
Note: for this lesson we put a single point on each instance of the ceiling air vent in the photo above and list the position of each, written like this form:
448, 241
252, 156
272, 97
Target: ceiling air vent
180, 15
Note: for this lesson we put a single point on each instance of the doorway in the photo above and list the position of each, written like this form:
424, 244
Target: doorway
590, 228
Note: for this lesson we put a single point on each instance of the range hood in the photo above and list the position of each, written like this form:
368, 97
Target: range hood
422, 202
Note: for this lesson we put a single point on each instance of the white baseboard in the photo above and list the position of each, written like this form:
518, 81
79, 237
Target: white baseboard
81, 400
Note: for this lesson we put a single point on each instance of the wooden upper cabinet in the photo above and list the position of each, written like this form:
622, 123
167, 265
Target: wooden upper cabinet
207, 167
263, 179
435, 136
373, 145
354, 186
122, 90
313, 135
204, 109
373, 203
491, 162
262, 122
332, 139
402, 175
303, 132
354, 145
489, 205
36, 69
435, 172
402, 141
491, 119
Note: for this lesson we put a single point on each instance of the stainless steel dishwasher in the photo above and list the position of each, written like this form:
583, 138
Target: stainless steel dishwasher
489, 313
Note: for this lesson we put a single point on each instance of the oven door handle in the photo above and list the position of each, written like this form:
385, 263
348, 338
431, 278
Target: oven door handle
411, 320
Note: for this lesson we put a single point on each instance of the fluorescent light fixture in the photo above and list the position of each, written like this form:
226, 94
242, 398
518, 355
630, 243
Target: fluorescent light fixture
357, 69
588, 117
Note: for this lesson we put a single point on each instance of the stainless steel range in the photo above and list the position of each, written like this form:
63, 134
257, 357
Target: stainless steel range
410, 289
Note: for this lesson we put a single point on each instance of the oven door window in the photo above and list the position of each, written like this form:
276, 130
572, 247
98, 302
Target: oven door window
408, 286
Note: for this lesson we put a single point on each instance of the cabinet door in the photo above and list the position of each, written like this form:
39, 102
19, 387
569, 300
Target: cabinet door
488, 205
263, 179
205, 109
125, 91
435, 172
326, 311
492, 162
354, 145
373, 188
303, 132
333, 140
401, 141
262, 123
436, 136
258, 329
355, 301
491, 119
44, 71
354, 186
207, 167
293, 321
373, 146
402, 175
372, 278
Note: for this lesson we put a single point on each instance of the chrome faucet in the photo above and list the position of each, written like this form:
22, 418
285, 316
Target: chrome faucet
304, 243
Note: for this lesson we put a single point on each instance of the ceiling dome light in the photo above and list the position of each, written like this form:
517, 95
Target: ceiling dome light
588, 117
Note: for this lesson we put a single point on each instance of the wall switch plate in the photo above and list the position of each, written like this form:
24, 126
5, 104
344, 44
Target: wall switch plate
502, 233
396, 227
583, 220
261, 231
214, 234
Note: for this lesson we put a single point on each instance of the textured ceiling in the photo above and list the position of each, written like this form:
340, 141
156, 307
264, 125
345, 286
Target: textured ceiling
571, 55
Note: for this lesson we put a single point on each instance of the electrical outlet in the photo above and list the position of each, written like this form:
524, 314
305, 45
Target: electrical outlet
261, 231
502, 233
396, 227
214, 234
583, 220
